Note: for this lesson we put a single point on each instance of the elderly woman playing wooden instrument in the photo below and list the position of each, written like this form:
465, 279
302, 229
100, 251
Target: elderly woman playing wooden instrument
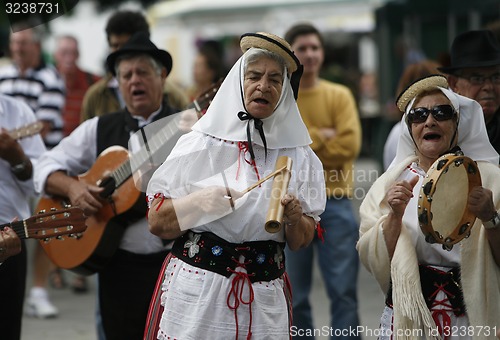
226, 275
434, 292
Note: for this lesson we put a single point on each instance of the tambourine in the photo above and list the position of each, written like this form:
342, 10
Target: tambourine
442, 204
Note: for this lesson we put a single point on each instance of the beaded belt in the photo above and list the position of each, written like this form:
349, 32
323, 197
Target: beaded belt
264, 260
434, 280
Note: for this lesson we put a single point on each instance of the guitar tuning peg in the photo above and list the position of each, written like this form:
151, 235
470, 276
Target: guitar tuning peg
42, 211
53, 209
46, 240
60, 238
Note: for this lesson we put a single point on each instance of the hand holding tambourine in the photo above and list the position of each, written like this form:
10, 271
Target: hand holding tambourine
444, 208
481, 203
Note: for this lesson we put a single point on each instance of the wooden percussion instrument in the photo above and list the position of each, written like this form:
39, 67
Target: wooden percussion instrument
442, 205
274, 218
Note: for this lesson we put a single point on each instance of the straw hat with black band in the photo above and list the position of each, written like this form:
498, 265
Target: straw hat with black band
279, 46
272, 43
139, 43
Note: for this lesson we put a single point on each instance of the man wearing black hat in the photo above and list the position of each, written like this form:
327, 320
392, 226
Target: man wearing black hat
474, 72
104, 96
127, 278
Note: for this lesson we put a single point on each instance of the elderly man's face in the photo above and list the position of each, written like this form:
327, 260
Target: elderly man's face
262, 87
25, 52
487, 94
140, 85
66, 55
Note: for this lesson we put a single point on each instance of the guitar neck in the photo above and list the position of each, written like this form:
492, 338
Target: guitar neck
26, 131
122, 173
16, 134
198, 106
150, 146
18, 227
204, 100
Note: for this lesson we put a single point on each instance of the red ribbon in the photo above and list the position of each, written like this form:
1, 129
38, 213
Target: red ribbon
320, 230
243, 147
444, 313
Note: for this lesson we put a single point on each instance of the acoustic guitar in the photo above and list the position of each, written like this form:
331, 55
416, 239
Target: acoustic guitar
51, 224
112, 170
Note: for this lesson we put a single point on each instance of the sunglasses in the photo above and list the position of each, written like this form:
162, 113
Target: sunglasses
439, 112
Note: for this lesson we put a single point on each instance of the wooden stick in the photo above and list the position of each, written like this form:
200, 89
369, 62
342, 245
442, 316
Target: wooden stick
262, 180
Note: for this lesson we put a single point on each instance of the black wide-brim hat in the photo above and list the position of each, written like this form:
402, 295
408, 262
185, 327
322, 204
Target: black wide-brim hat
140, 43
473, 49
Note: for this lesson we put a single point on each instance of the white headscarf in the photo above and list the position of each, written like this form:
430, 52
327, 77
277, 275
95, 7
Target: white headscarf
472, 135
283, 129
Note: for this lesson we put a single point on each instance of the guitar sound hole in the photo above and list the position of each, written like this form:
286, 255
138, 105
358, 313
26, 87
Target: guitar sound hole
109, 185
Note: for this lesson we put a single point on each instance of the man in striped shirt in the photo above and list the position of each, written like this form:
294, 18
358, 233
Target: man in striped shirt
30, 79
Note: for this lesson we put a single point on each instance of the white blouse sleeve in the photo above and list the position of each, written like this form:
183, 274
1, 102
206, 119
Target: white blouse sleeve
75, 154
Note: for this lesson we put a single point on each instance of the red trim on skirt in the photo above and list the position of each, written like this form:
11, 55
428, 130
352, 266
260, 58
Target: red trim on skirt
155, 307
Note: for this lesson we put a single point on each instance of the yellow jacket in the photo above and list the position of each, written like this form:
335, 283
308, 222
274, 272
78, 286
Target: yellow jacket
332, 105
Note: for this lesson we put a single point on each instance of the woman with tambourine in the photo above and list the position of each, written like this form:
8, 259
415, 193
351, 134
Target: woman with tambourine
436, 287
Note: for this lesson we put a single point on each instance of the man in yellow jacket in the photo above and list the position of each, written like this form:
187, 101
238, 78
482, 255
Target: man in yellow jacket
330, 114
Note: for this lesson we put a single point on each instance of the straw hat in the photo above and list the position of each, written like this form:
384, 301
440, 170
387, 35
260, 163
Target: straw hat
271, 43
140, 43
419, 86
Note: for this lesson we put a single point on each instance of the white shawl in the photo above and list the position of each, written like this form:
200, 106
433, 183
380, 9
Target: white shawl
283, 129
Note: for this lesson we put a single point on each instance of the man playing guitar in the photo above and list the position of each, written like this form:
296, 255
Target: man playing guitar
16, 179
116, 209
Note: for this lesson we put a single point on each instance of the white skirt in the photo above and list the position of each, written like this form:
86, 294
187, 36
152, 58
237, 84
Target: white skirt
197, 306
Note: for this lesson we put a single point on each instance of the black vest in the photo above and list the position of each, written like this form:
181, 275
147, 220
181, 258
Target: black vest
493, 129
115, 129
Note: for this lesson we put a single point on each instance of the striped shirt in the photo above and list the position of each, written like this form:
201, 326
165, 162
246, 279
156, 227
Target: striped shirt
43, 90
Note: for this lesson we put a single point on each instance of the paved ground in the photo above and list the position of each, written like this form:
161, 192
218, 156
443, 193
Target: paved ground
76, 320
